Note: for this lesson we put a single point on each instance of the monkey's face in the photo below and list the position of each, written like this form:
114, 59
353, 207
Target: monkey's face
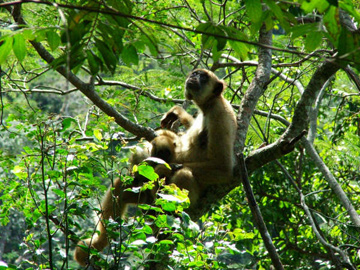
201, 85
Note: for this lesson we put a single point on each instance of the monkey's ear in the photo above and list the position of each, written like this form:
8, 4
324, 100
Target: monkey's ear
218, 88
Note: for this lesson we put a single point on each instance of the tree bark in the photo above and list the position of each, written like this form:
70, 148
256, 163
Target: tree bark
300, 120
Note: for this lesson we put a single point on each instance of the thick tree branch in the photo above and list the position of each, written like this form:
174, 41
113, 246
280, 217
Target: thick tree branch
314, 113
255, 90
300, 121
247, 108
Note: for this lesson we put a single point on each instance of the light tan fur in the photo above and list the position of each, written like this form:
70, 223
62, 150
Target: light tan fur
205, 152
206, 148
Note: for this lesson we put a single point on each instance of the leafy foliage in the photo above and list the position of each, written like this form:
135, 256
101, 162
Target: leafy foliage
59, 151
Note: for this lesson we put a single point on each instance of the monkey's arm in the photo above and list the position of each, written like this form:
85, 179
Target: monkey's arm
176, 113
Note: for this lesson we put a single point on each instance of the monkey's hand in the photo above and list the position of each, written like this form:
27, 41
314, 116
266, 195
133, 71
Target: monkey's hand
174, 114
170, 117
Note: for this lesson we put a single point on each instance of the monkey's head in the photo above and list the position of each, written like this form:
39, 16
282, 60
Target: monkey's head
202, 85
163, 146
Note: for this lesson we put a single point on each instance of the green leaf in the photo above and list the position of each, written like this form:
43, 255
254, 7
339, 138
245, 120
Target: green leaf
125, 6
98, 135
129, 55
196, 264
20, 172
166, 242
53, 39
59, 192
66, 123
94, 62
162, 221
147, 229
215, 53
254, 10
147, 171
19, 47
167, 205
302, 30
309, 6
28, 34
109, 57
279, 14
240, 48
209, 41
5, 48
331, 21
313, 40
347, 48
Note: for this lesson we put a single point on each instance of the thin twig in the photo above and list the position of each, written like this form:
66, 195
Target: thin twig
128, 16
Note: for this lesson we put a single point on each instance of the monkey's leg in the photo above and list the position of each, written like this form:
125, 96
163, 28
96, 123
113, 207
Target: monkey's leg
110, 208
184, 178
114, 205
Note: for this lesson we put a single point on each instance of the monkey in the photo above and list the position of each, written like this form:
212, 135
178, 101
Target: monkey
206, 149
162, 147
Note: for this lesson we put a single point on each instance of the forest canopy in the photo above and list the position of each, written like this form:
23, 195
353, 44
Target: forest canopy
84, 83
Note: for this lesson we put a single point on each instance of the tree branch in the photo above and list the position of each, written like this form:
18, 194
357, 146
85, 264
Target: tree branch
300, 121
255, 90
88, 90
260, 224
163, 24
332, 248
336, 188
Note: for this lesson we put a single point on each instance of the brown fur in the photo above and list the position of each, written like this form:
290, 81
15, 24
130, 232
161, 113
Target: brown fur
116, 199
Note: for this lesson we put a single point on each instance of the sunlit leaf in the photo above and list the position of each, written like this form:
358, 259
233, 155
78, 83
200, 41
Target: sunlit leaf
254, 10
147, 171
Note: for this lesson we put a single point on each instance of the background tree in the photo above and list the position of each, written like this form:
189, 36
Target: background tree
83, 82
